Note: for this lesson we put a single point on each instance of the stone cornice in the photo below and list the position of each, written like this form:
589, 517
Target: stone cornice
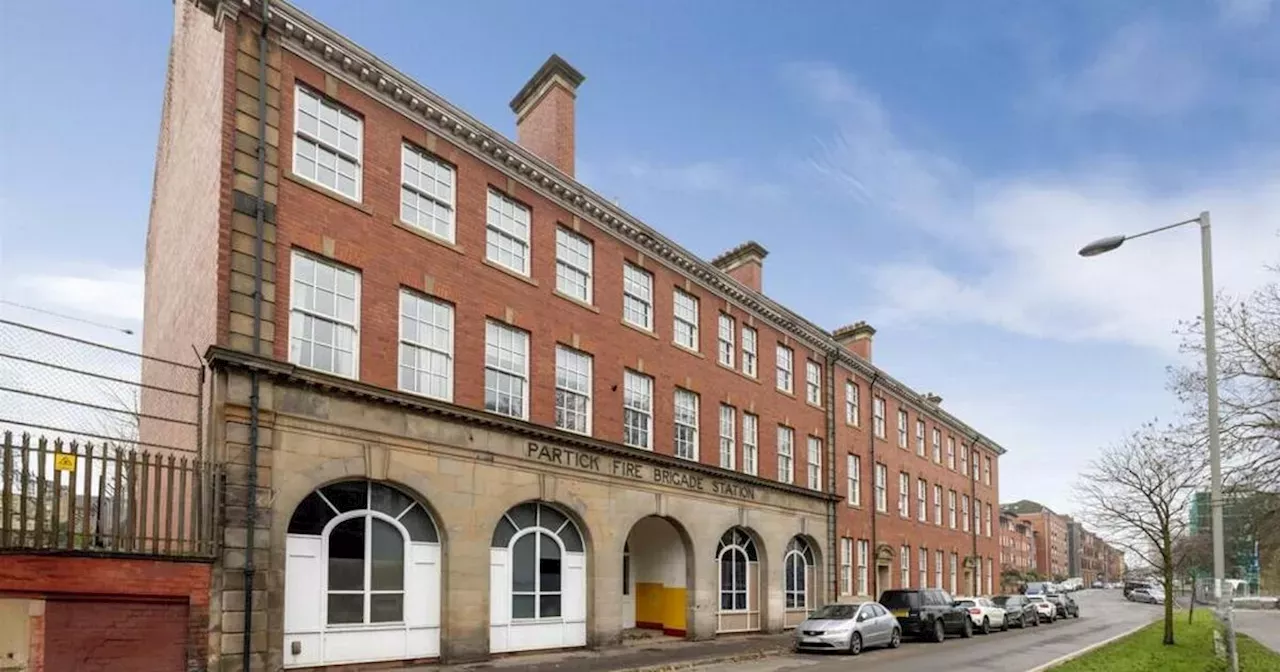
220, 358
330, 50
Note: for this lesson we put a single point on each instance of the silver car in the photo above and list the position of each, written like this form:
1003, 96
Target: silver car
849, 628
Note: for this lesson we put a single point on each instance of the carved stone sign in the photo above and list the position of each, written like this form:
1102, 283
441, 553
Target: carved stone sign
638, 471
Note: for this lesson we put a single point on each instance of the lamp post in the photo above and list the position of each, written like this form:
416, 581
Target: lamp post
1108, 244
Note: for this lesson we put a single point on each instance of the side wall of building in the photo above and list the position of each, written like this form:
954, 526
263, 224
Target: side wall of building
182, 234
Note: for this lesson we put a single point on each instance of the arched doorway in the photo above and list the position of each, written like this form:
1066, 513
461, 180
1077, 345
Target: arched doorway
537, 581
362, 577
884, 569
799, 582
655, 577
739, 582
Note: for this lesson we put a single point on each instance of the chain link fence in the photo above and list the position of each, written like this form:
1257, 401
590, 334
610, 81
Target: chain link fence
68, 388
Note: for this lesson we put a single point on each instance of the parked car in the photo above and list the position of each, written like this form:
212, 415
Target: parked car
1038, 588
928, 613
848, 628
1018, 610
984, 614
1098, 584
1065, 606
1147, 595
1047, 610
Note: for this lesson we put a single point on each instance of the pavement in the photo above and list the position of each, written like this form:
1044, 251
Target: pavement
661, 653
1103, 615
1263, 626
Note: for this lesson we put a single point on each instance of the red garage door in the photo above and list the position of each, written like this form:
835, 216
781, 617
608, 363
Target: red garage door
115, 636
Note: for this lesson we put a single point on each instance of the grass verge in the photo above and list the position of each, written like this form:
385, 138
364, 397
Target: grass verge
1193, 652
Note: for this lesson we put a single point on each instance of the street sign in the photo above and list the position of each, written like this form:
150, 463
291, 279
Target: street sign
64, 461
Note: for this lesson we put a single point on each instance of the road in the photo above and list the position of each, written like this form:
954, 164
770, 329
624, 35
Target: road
1103, 614
1263, 626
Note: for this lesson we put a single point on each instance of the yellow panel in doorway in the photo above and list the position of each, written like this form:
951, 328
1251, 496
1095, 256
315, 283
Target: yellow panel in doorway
674, 601
649, 609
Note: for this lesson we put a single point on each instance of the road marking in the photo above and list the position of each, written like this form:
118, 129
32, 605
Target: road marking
1076, 654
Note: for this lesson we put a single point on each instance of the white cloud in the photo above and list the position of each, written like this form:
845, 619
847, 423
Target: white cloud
1246, 13
1022, 273
1145, 69
867, 159
113, 293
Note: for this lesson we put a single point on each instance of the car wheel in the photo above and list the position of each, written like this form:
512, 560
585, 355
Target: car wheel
895, 640
939, 632
1004, 624
967, 632
855, 644
986, 626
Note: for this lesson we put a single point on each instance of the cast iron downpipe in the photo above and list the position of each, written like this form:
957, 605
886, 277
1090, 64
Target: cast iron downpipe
834, 580
260, 207
871, 440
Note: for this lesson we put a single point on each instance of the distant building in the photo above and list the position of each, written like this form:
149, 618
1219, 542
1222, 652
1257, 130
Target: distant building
1051, 535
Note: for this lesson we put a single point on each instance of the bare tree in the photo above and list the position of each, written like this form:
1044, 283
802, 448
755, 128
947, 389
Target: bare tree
1248, 340
1138, 493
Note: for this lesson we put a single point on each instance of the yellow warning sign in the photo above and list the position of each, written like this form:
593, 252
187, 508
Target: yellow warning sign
64, 461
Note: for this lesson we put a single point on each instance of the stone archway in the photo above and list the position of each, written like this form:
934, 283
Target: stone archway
362, 577
657, 572
884, 568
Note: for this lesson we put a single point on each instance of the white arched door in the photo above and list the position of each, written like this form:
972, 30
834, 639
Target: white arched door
537, 581
799, 584
362, 577
739, 570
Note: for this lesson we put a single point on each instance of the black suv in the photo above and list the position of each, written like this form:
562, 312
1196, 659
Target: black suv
929, 613
1064, 605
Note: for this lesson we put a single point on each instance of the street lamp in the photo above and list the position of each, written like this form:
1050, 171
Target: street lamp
1103, 245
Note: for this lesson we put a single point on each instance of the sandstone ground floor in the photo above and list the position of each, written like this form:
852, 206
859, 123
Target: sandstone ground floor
388, 534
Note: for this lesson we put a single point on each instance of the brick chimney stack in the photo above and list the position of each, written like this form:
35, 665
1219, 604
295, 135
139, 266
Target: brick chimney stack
544, 113
744, 263
856, 338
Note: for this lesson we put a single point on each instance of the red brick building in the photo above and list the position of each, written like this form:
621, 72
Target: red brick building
424, 333
1051, 548
1017, 544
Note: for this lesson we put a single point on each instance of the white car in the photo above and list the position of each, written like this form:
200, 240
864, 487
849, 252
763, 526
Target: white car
1048, 611
1148, 595
985, 615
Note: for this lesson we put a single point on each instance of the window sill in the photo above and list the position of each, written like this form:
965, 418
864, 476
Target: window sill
515, 274
813, 405
784, 391
734, 370
325, 191
429, 237
688, 350
576, 301
646, 332
854, 425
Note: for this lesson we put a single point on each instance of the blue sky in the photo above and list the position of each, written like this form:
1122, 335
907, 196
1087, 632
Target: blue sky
930, 167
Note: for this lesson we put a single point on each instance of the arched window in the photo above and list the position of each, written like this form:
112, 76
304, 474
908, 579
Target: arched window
796, 566
364, 525
735, 551
541, 555
361, 553
740, 586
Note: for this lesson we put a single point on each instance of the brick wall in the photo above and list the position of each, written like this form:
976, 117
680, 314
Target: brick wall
107, 636
182, 235
366, 236
122, 579
892, 529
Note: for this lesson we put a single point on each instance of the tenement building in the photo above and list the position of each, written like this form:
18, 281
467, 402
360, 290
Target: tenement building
1050, 534
468, 407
